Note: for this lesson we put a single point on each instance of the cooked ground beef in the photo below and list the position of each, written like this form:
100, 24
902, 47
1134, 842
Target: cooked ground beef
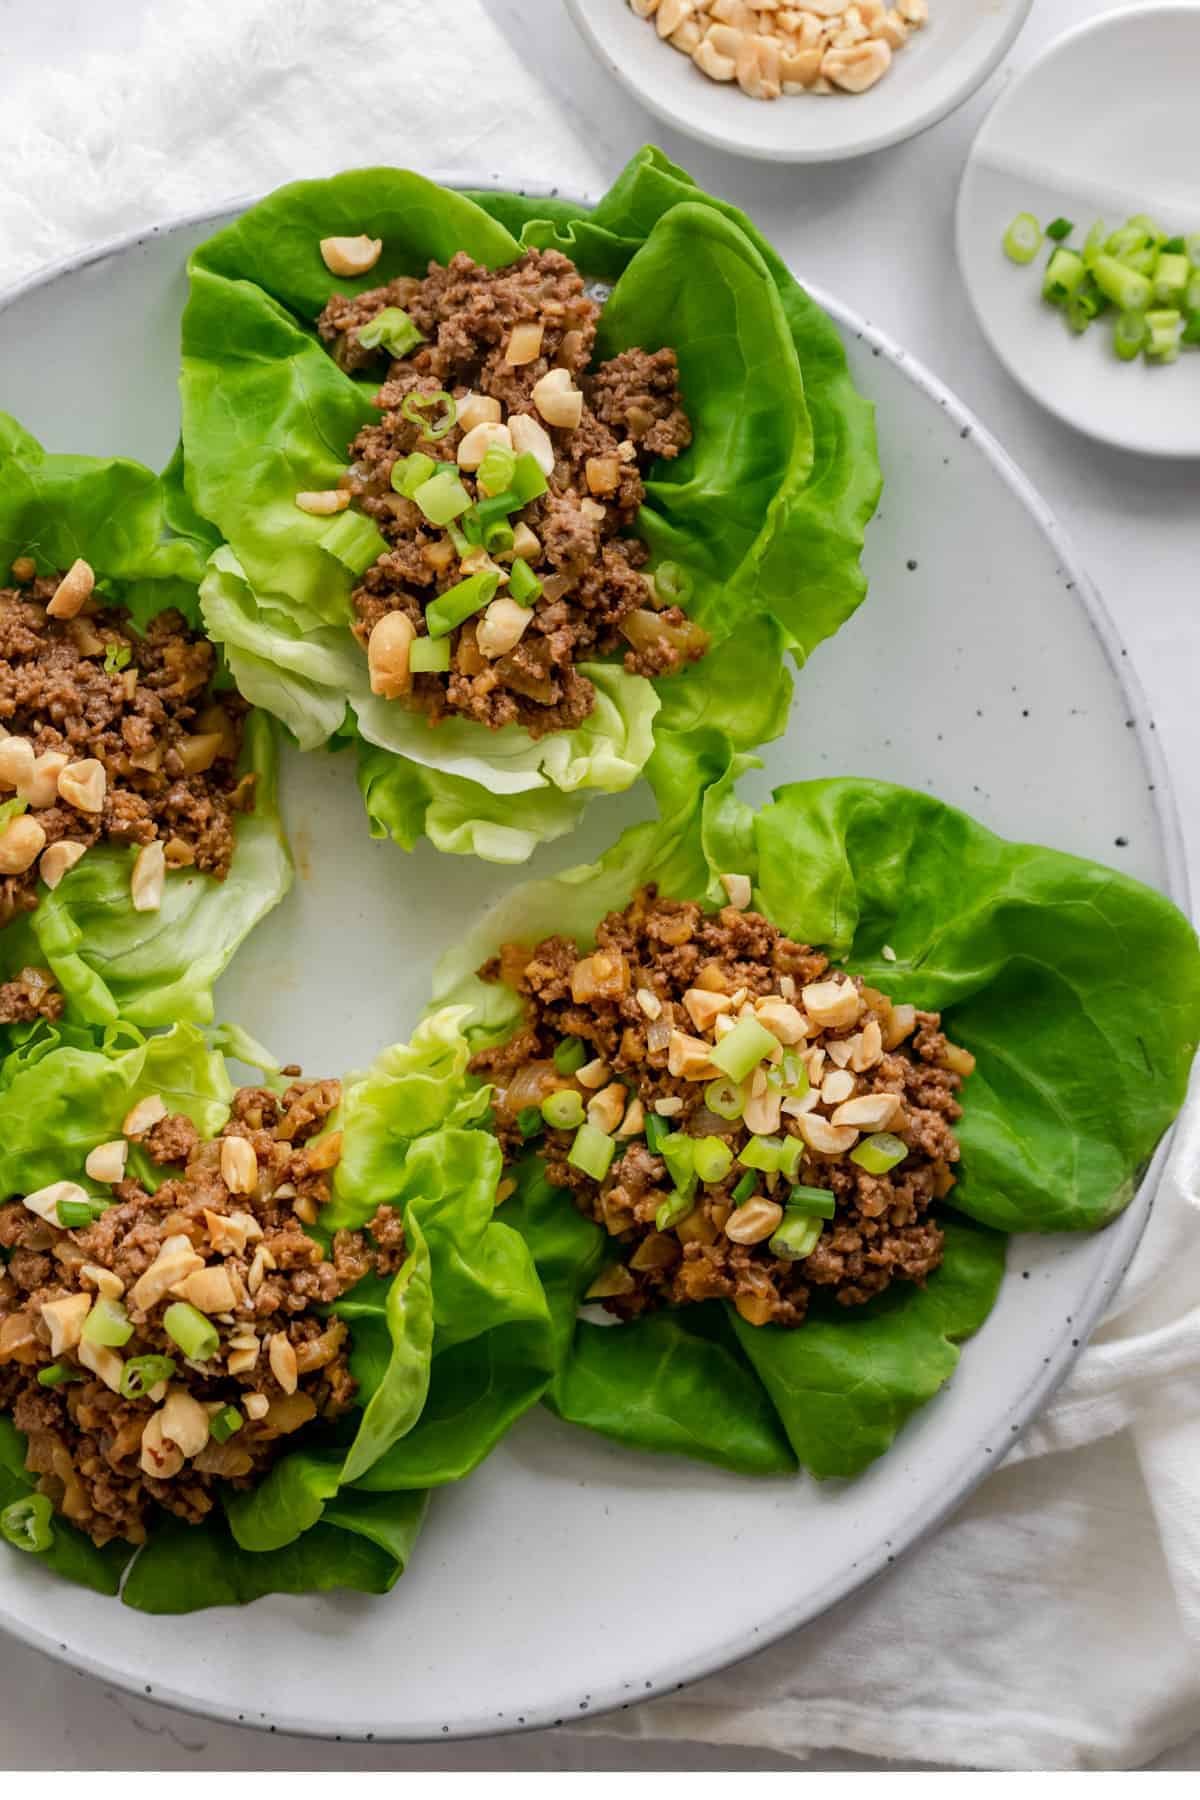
664, 984
244, 1259
33, 995
594, 600
90, 689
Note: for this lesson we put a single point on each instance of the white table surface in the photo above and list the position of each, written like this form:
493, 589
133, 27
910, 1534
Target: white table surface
879, 233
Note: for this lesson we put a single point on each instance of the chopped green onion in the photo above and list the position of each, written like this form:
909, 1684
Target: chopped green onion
11, 809
1191, 297
1151, 231
815, 1203
417, 406
459, 602
1126, 240
1191, 331
1057, 229
1175, 246
762, 1153
196, 1336
223, 1425
1165, 327
463, 545
1142, 262
679, 1153
26, 1523
1129, 335
1095, 242
141, 1373
724, 1098
353, 540
391, 330
673, 1209
570, 1053
796, 1238
429, 656
791, 1156
116, 658
108, 1323
497, 469
745, 1189
741, 1048
499, 538
671, 583
658, 1131
530, 1122
75, 1215
411, 472
523, 584
712, 1159
563, 1110
592, 1152
795, 1075
1064, 274
443, 497
528, 481
1191, 245
57, 1374
1124, 287
879, 1153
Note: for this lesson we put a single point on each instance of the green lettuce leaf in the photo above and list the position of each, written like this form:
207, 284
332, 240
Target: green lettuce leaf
267, 412
110, 961
1077, 989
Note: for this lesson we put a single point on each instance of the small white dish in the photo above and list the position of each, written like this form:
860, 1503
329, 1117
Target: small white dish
1101, 126
939, 68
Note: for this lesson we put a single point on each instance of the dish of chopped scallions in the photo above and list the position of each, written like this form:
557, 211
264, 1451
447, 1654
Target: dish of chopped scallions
1145, 280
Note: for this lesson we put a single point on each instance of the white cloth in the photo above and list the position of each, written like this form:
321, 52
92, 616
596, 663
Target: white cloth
1055, 1621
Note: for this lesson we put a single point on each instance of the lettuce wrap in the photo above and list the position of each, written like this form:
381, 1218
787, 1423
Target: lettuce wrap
148, 968
1076, 989
445, 1353
763, 515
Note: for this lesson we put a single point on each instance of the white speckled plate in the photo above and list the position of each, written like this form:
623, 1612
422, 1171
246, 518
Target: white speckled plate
983, 667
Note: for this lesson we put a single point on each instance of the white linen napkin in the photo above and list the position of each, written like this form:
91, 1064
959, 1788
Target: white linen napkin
1055, 1620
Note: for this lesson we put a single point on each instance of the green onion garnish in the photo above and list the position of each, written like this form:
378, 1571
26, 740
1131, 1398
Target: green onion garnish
57, 1374
1170, 278
570, 1053
563, 1110
497, 470
762, 1153
26, 1523
1095, 243
417, 407
528, 481
675, 1207
429, 656
353, 540
796, 1238
141, 1373
658, 1130
1129, 335
712, 1159
816, 1203
1176, 246
108, 1323
11, 809
741, 1048
1057, 229
678, 1151
791, 1156
879, 1153
671, 583
224, 1424
592, 1152
1124, 287
744, 1190
724, 1098
75, 1215
1166, 332
499, 538
116, 658
530, 1122
391, 330
411, 472
196, 1336
1022, 241
443, 497
523, 584
460, 602
1065, 272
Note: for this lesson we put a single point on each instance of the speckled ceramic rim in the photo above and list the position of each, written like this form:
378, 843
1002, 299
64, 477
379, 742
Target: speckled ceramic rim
920, 119
1122, 1236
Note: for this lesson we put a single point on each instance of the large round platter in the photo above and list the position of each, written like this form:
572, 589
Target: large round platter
983, 667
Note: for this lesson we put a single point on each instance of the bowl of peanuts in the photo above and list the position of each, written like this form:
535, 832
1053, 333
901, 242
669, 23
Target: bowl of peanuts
788, 83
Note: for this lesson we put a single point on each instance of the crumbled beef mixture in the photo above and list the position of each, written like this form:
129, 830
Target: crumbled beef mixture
92, 689
33, 995
664, 984
594, 600
244, 1259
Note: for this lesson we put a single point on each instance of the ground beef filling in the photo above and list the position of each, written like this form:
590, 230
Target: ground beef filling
594, 600
242, 1258
89, 690
666, 983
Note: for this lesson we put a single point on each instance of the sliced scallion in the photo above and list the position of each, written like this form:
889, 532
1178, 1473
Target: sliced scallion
196, 1336
1058, 229
523, 584
391, 330
57, 1374
1129, 335
497, 469
26, 1523
1170, 278
762, 1153
1165, 332
442, 497
741, 1048
879, 1153
1065, 272
460, 602
712, 1159
411, 472
1124, 287
673, 1209
530, 1122
563, 1110
116, 658
429, 656
570, 1053
745, 1189
811, 1202
141, 1373
724, 1098
658, 1130
75, 1215
224, 1424
435, 413
592, 1151
108, 1323
796, 1238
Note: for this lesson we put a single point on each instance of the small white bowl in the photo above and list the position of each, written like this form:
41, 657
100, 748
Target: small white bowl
1102, 125
939, 68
